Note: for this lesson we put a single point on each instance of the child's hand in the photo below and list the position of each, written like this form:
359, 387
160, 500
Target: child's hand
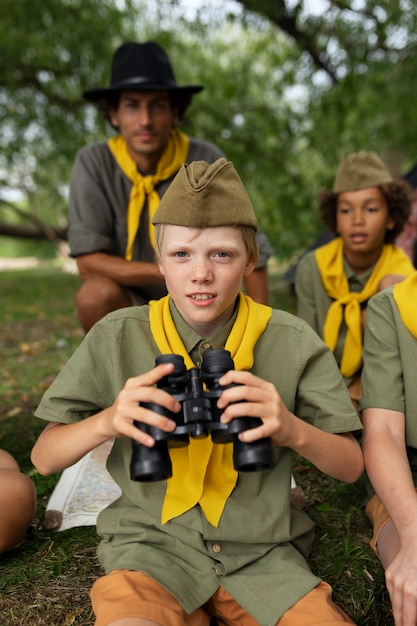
128, 408
256, 398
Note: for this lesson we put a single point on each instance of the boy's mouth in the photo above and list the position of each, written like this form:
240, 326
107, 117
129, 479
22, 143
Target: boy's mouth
358, 237
201, 296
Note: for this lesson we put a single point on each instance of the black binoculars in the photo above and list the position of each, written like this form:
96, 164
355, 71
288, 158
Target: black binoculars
199, 416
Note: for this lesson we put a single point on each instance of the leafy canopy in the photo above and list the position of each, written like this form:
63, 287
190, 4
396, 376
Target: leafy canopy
288, 92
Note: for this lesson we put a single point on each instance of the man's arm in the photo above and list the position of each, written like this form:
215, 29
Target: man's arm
126, 273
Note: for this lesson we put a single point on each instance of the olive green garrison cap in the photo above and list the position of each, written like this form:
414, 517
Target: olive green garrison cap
203, 195
361, 170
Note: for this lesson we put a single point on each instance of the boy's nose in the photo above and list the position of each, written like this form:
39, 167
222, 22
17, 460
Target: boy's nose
202, 272
357, 217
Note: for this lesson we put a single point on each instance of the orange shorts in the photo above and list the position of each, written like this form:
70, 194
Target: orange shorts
125, 593
379, 517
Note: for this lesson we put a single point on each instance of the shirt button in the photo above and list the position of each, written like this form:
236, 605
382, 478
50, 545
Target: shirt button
218, 572
216, 548
206, 345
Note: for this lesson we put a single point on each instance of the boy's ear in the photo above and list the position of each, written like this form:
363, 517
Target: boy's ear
391, 223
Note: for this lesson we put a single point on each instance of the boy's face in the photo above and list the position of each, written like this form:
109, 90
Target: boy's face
145, 120
203, 270
362, 219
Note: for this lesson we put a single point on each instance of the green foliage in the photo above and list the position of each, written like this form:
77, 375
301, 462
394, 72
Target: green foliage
287, 93
50, 55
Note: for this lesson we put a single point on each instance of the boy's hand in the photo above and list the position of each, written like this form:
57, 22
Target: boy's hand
401, 583
255, 397
128, 408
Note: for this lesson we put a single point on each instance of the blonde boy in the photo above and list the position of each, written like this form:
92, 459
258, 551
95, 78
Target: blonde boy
209, 542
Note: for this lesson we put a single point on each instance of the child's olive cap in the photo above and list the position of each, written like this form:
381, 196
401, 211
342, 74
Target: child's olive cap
203, 195
361, 170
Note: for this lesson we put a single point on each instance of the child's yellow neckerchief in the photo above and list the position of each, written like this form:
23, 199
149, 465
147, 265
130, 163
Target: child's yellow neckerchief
202, 472
144, 186
346, 304
405, 296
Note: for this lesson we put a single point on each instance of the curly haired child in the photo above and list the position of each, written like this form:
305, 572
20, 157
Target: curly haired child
367, 209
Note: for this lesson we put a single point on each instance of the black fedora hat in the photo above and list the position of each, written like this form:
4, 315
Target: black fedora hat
141, 67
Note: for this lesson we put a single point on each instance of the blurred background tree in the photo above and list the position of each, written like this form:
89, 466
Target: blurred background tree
291, 86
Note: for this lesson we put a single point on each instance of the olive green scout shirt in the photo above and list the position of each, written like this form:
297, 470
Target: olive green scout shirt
258, 551
389, 377
313, 301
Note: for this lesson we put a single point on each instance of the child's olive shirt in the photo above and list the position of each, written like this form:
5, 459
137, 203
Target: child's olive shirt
258, 551
313, 302
389, 377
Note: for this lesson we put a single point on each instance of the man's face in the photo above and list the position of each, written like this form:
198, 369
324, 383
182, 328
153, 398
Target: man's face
203, 270
145, 120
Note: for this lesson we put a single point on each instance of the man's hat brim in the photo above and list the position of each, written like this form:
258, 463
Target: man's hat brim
96, 94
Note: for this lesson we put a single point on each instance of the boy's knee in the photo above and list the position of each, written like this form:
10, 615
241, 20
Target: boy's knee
24, 492
18, 504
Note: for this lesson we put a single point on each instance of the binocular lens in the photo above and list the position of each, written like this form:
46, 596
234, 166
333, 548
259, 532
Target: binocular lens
256, 456
150, 464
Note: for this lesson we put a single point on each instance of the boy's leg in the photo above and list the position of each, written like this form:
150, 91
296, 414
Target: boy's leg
385, 541
316, 608
127, 594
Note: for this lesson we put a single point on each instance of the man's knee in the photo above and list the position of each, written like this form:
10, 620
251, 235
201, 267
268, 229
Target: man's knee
102, 293
98, 297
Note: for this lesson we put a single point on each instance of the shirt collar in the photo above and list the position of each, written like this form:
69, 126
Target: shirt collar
194, 344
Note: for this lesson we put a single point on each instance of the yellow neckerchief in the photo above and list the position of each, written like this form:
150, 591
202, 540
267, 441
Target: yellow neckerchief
144, 186
202, 472
405, 296
347, 304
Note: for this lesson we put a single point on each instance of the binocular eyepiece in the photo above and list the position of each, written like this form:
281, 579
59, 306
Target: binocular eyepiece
198, 417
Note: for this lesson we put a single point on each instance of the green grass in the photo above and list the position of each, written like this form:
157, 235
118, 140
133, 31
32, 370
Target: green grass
46, 581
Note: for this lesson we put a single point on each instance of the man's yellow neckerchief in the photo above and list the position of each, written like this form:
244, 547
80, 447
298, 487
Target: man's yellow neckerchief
203, 472
405, 296
144, 186
346, 304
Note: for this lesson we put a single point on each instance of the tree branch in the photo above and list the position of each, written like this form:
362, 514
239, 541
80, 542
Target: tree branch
286, 19
34, 231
